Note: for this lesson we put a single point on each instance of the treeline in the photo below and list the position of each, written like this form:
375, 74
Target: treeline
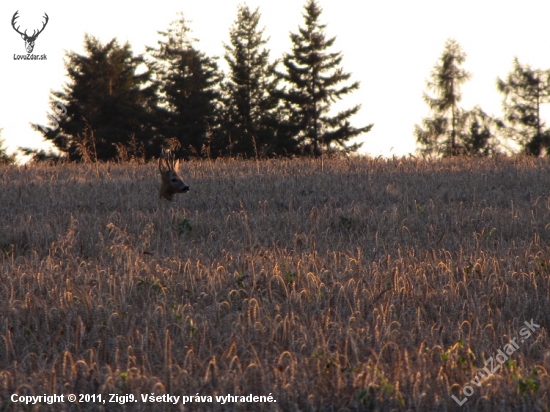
454, 131
118, 105
121, 106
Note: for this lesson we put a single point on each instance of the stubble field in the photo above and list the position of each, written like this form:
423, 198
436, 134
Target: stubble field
343, 285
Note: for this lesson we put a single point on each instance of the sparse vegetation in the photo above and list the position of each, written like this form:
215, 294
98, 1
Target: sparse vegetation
342, 284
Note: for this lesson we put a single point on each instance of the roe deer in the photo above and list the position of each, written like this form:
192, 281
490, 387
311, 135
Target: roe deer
172, 183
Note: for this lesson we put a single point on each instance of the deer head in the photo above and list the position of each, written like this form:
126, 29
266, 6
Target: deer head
29, 40
172, 183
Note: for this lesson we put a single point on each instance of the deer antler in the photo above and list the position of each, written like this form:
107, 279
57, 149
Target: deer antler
34, 33
43, 26
15, 16
168, 159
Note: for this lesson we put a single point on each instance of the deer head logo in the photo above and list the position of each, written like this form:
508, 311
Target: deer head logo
29, 40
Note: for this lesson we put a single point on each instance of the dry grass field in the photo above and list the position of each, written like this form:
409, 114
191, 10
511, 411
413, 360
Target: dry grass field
348, 285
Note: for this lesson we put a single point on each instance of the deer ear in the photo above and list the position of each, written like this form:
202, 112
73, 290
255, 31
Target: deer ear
23, 36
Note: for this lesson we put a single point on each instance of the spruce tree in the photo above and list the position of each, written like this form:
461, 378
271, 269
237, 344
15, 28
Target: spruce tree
249, 104
478, 137
188, 83
440, 134
525, 91
106, 103
5, 158
312, 75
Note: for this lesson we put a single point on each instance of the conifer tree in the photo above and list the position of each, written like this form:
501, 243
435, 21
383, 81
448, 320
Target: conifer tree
525, 91
440, 134
249, 104
189, 96
478, 137
5, 158
312, 75
106, 103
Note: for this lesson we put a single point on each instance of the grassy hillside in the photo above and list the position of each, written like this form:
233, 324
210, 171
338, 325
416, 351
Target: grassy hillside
361, 284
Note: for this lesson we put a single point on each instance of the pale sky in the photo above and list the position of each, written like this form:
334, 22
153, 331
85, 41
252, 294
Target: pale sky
389, 46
